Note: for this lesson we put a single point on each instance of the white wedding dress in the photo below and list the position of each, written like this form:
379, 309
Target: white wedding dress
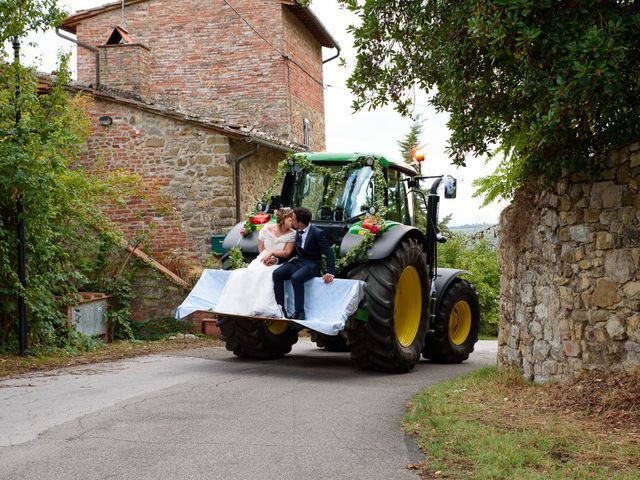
249, 291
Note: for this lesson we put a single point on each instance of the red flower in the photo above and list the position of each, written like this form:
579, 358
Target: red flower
374, 229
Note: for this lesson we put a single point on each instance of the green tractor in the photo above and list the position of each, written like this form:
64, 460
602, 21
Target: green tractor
410, 307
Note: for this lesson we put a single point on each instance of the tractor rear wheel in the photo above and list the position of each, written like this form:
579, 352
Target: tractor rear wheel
331, 343
393, 336
259, 339
456, 325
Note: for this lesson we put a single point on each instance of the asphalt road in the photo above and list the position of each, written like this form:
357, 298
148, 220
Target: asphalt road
205, 414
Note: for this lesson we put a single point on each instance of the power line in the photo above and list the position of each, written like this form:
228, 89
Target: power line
284, 55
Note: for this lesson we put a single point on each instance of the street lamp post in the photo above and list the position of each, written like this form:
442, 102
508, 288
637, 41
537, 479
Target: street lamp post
22, 307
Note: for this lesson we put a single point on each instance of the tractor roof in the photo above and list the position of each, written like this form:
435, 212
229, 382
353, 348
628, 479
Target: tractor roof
332, 157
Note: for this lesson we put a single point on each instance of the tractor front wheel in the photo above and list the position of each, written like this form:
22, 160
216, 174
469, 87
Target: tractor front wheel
258, 339
454, 332
392, 337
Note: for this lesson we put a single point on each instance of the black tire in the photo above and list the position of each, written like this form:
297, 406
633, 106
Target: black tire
455, 328
331, 343
375, 344
256, 338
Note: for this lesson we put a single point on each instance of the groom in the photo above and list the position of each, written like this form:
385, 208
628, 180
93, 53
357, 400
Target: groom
311, 244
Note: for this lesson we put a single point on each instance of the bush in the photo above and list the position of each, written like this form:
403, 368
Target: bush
480, 257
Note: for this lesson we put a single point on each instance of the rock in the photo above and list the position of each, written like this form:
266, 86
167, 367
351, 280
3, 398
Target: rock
155, 142
218, 172
571, 348
604, 241
620, 265
632, 289
633, 353
631, 237
579, 233
605, 294
633, 328
541, 350
616, 329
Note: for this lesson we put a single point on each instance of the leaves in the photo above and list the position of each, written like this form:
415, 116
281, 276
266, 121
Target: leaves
18, 17
552, 83
40, 139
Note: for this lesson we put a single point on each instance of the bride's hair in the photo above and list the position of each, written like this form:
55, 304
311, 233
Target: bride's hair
282, 214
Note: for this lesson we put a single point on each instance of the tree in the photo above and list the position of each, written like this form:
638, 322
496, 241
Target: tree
19, 17
552, 83
411, 141
40, 139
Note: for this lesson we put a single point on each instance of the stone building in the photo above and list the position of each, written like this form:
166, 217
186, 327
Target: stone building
202, 99
570, 286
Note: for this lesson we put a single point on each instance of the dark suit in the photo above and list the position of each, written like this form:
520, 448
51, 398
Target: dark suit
305, 265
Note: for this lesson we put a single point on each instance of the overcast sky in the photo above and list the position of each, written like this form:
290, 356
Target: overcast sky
372, 131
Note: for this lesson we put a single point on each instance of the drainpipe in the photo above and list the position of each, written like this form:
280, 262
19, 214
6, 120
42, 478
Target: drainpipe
88, 47
332, 58
236, 173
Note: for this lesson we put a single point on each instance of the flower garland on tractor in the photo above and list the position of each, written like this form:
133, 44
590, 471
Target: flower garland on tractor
373, 221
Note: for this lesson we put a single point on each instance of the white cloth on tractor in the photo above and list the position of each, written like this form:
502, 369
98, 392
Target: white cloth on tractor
327, 305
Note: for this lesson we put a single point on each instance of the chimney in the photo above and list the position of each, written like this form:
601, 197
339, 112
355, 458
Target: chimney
124, 65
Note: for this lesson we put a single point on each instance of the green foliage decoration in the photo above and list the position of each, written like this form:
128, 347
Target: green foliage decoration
552, 83
301, 163
236, 258
358, 254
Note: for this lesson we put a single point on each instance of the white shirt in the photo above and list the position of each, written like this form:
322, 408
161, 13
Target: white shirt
304, 234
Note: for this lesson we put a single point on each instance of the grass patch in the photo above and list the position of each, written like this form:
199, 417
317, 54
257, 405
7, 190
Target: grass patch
11, 365
490, 424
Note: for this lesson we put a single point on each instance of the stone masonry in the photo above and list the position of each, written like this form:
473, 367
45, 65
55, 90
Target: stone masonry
251, 62
570, 277
188, 174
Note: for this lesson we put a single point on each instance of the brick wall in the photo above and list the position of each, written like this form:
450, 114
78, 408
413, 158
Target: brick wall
125, 67
305, 77
205, 59
187, 164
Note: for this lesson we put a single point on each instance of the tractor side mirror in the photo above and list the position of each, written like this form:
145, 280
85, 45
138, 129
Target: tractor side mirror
450, 187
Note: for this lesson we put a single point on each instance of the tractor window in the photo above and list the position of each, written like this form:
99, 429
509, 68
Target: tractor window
398, 210
349, 198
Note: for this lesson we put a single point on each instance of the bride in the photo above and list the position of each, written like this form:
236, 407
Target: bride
249, 291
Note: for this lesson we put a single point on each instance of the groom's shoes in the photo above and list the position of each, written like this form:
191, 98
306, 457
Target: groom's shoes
284, 311
297, 315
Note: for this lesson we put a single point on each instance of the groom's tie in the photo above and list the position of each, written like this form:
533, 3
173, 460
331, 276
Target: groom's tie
299, 243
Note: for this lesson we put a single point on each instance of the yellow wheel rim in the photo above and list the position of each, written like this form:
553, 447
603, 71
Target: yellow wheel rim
277, 327
407, 308
460, 322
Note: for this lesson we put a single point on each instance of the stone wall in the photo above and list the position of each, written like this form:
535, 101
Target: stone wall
156, 296
256, 173
188, 174
570, 278
186, 169
206, 60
